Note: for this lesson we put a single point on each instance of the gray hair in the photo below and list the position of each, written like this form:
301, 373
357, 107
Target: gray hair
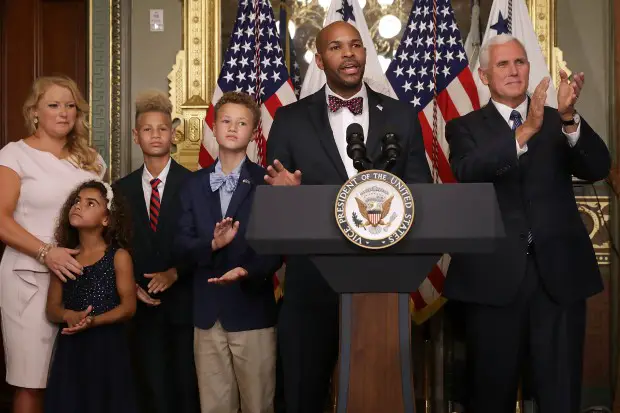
485, 50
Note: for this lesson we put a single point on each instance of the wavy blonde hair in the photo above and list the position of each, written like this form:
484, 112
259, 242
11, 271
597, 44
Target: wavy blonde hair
81, 154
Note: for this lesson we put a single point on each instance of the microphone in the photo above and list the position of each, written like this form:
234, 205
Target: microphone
356, 149
390, 149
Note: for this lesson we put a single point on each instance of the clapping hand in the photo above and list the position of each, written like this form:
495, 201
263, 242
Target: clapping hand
278, 175
568, 93
224, 233
535, 114
231, 276
537, 105
146, 298
77, 320
161, 281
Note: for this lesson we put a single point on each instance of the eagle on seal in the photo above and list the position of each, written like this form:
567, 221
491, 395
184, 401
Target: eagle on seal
374, 211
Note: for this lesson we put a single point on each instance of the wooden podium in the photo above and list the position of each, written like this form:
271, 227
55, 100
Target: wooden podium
375, 371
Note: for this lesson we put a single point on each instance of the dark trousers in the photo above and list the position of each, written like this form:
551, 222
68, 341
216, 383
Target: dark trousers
308, 342
164, 357
533, 334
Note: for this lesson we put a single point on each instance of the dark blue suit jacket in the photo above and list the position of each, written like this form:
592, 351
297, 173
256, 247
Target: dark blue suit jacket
151, 251
535, 193
245, 305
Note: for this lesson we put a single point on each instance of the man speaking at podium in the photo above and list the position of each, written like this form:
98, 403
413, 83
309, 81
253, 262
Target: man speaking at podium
309, 137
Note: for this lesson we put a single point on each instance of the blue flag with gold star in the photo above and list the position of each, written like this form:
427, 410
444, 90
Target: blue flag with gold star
350, 12
512, 17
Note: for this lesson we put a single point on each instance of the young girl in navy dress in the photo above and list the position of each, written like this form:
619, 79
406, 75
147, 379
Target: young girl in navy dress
90, 370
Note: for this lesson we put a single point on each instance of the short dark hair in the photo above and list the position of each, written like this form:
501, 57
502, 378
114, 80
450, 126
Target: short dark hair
243, 99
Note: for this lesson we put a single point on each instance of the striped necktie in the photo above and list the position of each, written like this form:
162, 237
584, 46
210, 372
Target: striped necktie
517, 121
155, 204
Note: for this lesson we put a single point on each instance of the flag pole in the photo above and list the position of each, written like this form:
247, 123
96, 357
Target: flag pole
261, 143
435, 153
510, 16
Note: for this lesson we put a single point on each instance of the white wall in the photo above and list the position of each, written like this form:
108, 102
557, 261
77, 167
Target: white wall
152, 53
584, 35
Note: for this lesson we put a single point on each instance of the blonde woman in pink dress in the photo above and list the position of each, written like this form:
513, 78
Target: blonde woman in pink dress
37, 174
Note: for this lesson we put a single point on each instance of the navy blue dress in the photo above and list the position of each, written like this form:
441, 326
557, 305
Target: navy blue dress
91, 371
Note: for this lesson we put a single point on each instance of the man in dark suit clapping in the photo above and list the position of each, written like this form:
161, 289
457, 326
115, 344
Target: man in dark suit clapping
526, 301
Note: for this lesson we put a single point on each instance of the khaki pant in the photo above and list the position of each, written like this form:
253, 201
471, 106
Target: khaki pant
235, 369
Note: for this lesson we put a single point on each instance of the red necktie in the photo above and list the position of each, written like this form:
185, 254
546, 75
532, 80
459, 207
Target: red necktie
354, 105
155, 204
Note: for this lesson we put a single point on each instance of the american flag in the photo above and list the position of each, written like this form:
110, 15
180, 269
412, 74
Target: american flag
430, 70
254, 64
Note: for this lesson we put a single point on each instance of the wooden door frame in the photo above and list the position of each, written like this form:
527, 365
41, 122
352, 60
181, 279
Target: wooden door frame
615, 145
616, 102
3, 137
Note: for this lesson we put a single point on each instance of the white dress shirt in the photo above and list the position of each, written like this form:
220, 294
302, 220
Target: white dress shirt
340, 121
505, 111
146, 184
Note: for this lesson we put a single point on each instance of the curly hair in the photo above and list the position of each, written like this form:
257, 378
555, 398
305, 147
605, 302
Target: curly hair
243, 99
81, 154
118, 231
152, 101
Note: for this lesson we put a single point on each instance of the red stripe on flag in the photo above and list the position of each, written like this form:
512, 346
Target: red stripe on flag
418, 301
448, 110
467, 80
445, 173
272, 104
437, 278
210, 119
204, 158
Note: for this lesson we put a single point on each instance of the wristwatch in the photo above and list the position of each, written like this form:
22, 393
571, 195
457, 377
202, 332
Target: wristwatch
574, 121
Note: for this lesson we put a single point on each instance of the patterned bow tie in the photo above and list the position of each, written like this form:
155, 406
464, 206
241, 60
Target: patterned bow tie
229, 182
354, 105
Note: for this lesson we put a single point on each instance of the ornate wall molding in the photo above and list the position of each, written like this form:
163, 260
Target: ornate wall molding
543, 16
115, 90
194, 75
124, 138
99, 75
595, 212
105, 82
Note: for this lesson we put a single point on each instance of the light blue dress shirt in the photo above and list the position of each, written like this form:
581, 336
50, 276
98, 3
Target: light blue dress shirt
225, 197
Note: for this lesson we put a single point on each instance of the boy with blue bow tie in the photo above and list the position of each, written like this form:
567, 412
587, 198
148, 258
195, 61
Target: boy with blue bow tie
234, 304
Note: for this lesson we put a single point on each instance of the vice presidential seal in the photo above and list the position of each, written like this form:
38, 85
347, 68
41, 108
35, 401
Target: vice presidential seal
374, 209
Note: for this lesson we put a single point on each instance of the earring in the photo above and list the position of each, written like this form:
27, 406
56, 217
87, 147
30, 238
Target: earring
36, 120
